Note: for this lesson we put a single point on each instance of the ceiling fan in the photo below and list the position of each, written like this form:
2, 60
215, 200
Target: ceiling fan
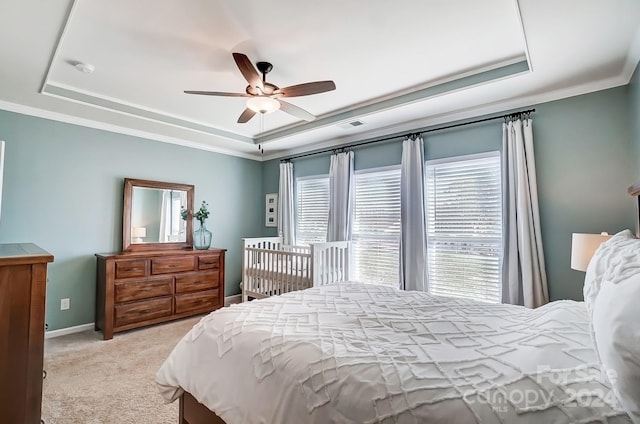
264, 97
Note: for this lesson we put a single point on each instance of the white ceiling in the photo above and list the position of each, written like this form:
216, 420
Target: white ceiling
397, 65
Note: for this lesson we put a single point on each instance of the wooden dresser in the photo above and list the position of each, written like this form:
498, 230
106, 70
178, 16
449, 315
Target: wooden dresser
135, 289
23, 281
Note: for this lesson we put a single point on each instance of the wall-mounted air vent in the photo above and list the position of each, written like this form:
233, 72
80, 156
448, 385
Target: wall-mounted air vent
351, 124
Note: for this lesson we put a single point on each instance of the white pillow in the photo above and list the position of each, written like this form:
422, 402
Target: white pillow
605, 264
612, 294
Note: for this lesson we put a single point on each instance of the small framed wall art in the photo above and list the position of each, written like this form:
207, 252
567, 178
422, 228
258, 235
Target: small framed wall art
271, 210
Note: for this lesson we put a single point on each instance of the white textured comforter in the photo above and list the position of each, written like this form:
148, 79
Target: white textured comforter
357, 353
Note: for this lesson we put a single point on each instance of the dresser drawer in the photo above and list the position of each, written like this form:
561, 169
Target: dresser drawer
130, 268
196, 282
135, 312
209, 262
204, 301
136, 290
171, 265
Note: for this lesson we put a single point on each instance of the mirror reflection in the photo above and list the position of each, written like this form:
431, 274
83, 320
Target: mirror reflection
155, 215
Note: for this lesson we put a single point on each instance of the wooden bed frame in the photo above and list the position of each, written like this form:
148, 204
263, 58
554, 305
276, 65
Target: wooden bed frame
193, 412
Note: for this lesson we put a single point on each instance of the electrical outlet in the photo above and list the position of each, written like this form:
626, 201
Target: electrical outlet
64, 304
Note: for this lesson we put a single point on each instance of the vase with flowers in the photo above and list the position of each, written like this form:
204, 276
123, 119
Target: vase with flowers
201, 236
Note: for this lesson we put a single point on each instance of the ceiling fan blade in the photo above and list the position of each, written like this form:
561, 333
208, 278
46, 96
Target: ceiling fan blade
307, 89
217, 93
248, 70
296, 111
245, 116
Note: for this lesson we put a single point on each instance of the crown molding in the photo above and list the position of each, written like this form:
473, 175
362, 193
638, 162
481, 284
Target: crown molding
75, 95
89, 123
466, 114
486, 109
463, 81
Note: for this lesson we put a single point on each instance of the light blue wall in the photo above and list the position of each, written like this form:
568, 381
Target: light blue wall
476, 138
582, 147
63, 189
634, 117
584, 168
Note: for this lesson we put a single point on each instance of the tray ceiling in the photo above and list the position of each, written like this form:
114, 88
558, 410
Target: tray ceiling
396, 65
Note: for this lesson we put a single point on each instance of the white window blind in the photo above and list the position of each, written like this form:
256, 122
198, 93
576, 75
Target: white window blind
376, 227
312, 209
464, 227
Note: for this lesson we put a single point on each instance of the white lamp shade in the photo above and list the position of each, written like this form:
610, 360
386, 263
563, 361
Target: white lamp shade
263, 104
583, 246
139, 232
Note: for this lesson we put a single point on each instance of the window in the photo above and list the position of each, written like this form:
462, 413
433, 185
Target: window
376, 226
464, 227
312, 209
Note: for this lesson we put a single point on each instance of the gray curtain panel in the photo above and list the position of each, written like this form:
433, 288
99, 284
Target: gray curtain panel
340, 197
413, 236
524, 277
286, 217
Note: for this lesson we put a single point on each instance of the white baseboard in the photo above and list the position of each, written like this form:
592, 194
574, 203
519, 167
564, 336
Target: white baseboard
237, 298
69, 330
84, 327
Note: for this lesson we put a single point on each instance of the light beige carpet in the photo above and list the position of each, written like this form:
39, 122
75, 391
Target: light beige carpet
91, 381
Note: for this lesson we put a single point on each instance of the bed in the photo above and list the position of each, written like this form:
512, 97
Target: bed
359, 353
271, 268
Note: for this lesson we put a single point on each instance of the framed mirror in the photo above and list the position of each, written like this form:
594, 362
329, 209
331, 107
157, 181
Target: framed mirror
152, 215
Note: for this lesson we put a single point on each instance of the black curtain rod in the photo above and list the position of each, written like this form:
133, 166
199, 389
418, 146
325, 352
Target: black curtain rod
378, 140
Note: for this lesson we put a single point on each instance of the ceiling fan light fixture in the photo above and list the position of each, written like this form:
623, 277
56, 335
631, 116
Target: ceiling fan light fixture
264, 97
263, 104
